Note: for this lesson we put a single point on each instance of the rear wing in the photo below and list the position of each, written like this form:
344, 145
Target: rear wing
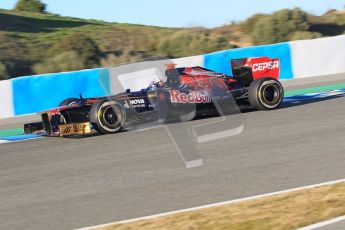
259, 66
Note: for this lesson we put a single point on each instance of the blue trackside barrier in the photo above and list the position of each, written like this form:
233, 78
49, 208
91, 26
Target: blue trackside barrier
299, 59
221, 61
33, 94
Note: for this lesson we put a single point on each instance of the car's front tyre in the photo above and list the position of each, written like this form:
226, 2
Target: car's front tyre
107, 117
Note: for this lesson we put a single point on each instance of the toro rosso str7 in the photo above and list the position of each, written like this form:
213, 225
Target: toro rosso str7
187, 91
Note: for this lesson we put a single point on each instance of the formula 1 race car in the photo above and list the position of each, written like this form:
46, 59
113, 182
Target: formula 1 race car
188, 90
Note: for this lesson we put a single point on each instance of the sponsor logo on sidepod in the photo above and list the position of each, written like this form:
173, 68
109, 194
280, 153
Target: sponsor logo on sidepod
192, 97
265, 66
137, 101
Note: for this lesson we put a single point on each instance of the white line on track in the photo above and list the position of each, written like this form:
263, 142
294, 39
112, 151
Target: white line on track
216, 204
6, 142
323, 224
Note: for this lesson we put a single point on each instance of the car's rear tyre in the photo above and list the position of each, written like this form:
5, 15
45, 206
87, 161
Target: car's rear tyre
107, 117
265, 93
68, 101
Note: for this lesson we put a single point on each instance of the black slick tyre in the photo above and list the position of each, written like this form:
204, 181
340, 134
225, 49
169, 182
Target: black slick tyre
265, 93
107, 117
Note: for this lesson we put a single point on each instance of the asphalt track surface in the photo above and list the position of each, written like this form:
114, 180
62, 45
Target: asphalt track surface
56, 183
336, 226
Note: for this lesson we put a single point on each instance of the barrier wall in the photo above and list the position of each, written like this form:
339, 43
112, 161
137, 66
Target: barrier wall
190, 61
220, 61
318, 57
41, 92
135, 76
299, 59
6, 99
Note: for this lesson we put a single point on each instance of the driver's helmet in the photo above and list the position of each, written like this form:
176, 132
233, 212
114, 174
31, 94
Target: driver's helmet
173, 76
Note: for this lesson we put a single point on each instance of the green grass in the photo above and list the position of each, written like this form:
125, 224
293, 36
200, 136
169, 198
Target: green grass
11, 132
318, 89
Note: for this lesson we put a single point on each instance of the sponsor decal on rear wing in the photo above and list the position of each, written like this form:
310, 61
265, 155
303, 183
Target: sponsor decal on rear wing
261, 66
